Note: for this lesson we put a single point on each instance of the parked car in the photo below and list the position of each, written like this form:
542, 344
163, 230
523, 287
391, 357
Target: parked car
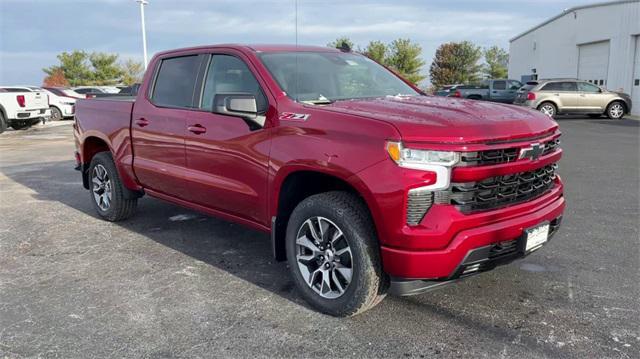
571, 96
88, 91
130, 90
366, 186
446, 90
501, 90
21, 108
65, 91
61, 104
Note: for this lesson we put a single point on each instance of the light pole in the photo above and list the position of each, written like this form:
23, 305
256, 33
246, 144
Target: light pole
144, 33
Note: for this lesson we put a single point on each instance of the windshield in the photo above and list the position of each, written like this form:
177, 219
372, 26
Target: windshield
323, 77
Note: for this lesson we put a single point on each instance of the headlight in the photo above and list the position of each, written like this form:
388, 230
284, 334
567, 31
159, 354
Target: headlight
410, 158
438, 162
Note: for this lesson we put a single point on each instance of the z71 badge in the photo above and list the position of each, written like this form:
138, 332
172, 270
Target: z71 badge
294, 116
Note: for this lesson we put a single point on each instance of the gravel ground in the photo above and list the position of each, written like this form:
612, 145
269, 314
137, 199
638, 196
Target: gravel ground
174, 283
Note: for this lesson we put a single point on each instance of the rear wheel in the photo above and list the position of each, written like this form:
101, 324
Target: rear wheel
333, 254
548, 109
615, 110
3, 123
56, 114
107, 191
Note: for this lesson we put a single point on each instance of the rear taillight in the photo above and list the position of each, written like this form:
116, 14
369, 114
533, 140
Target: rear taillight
89, 96
531, 96
457, 94
21, 101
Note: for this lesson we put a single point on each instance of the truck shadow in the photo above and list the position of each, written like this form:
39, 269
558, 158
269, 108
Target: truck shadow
246, 254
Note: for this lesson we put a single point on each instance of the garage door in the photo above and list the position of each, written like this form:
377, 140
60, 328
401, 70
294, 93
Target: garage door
593, 62
635, 88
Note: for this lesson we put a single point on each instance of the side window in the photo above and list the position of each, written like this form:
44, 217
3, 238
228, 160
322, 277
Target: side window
229, 75
175, 81
500, 85
587, 87
560, 86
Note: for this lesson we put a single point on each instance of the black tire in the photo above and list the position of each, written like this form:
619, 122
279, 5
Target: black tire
369, 283
594, 115
119, 207
548, 108
3, 123
56, 114
616, 110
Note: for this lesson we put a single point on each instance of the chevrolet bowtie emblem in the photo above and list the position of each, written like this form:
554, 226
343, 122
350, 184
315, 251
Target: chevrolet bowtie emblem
532, 152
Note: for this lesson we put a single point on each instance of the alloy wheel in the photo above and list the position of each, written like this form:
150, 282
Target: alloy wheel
56, 115
616, 111
101, 187
548, 110
324, 257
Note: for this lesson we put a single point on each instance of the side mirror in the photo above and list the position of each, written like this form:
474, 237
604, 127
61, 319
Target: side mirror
244, 106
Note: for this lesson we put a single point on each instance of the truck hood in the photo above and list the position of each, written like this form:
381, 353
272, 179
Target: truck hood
450, 120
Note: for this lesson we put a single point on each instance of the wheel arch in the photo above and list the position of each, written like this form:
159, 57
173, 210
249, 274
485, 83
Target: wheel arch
298, 184
554, 103
622, 101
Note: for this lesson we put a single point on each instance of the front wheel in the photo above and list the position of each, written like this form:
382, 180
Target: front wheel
3, 123
334, 255
615, 110
107, 191
56, 114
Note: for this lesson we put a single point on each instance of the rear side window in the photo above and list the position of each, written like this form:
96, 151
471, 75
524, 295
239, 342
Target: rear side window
175, 82
500, 85
560, 86
230, 75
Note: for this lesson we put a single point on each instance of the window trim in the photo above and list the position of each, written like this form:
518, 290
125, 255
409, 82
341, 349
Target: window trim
156, 72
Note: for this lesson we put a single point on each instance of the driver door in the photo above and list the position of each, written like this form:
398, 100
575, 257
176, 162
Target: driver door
227, 159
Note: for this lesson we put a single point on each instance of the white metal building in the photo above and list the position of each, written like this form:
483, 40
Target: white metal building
599, 43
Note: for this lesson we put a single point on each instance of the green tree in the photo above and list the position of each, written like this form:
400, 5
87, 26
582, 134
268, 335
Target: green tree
405, 57
106, 70
132, 72
74, 67
456, 62
497, 61
377, 51
341, 42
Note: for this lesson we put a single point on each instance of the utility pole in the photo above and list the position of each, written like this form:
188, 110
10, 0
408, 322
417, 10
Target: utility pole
144, 32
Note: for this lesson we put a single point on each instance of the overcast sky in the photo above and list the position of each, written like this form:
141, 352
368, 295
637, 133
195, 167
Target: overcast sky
35, 31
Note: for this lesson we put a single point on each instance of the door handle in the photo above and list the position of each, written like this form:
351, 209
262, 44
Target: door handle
142, 122
197, 129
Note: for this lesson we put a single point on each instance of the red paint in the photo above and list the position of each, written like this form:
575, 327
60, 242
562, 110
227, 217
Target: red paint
216, 164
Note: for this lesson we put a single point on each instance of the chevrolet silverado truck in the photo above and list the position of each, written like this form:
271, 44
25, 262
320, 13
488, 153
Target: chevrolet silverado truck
366, 185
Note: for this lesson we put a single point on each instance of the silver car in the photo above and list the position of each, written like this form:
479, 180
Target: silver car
571, 96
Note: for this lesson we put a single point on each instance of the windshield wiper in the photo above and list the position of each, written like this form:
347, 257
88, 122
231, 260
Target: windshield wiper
319, 102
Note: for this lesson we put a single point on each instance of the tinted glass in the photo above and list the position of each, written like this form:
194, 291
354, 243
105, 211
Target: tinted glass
175, 82
230, 75
500, 85
587, 87
326, 76
560, 86
514, 85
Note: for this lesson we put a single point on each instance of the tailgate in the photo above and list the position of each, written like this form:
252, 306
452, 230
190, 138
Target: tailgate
35, 100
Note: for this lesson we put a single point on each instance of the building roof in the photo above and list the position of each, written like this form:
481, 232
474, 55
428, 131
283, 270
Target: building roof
570, 10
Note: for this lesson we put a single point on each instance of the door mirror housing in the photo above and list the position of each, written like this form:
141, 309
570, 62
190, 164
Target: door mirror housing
240, 105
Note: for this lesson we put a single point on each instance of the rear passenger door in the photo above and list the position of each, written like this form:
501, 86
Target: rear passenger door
499, 92
564, 94
158, 123
227, 158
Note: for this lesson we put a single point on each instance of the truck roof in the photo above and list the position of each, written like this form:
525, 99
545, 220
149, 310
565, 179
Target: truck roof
257, 48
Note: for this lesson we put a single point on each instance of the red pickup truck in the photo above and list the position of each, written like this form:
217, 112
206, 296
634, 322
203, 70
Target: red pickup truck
366, 185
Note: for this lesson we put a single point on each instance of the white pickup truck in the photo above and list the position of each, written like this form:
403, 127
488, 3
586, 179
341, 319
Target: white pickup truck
20, 109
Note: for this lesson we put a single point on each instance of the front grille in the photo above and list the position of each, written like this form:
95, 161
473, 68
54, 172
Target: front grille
500, 191
506, 155
418, 203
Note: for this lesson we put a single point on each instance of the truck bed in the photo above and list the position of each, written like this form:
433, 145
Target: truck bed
110, 116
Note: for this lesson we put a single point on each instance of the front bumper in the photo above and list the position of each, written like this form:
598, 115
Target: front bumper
484, 232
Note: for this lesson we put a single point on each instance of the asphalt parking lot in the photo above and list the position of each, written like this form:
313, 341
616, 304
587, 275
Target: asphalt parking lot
174, 283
